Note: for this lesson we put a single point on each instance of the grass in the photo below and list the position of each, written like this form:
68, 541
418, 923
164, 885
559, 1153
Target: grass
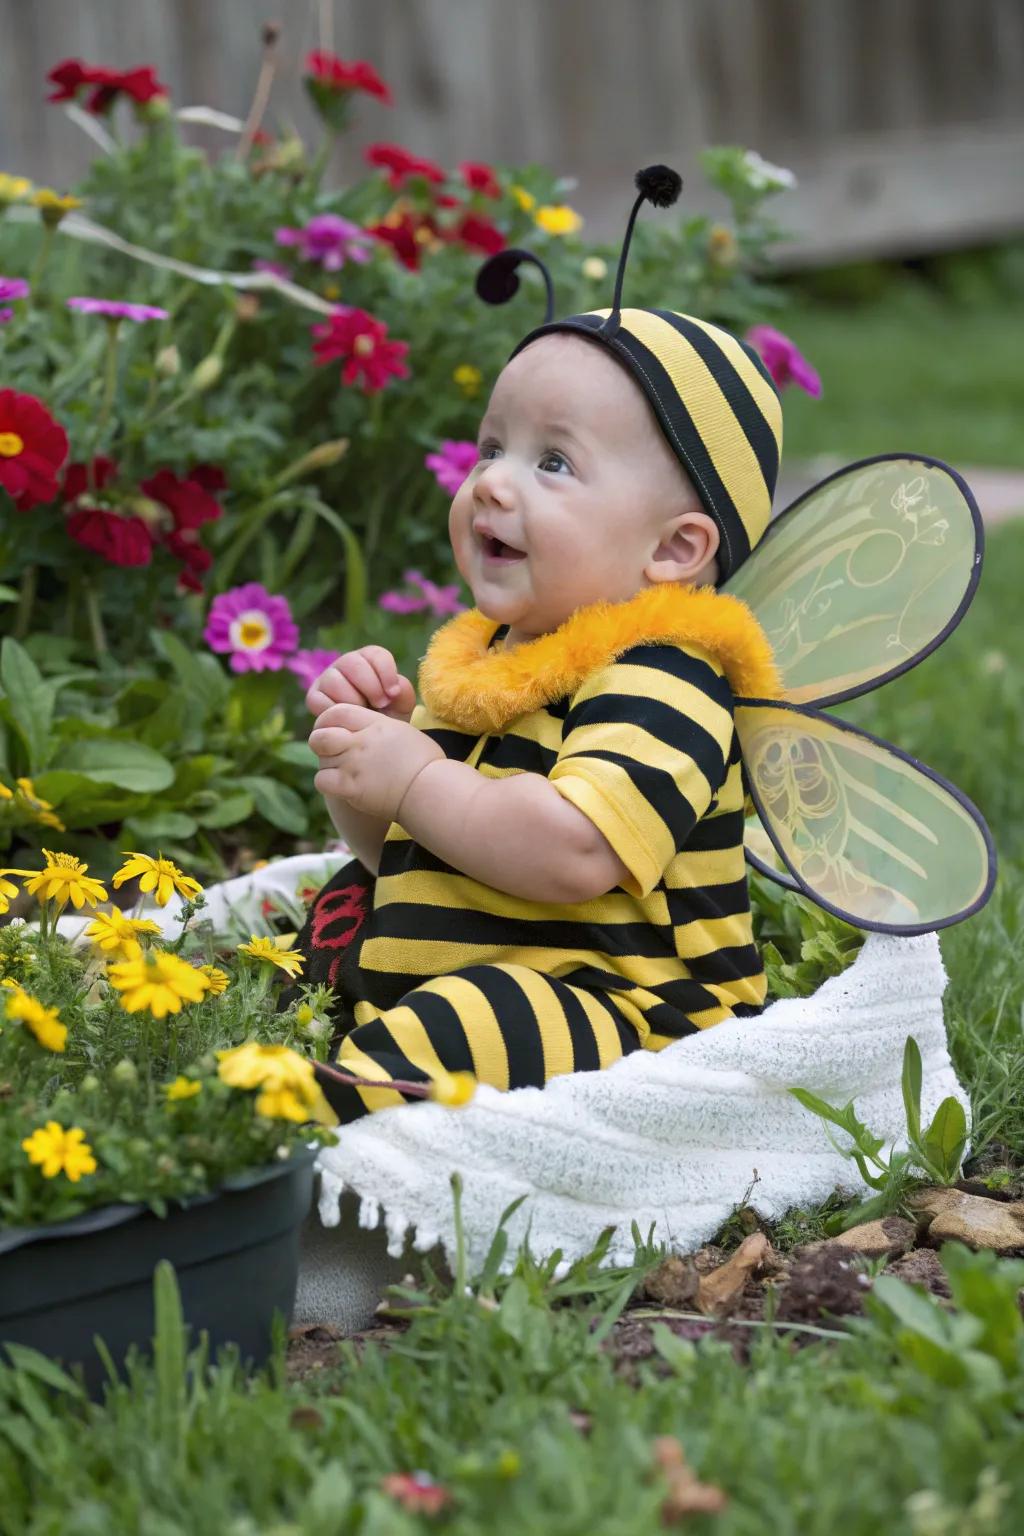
915, 369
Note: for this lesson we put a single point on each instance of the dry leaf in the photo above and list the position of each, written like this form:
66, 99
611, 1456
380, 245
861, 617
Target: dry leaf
674, 1283
686, 1495
723, 1287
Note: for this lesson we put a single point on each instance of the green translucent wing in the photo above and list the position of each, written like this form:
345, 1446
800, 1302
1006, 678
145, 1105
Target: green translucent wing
864, 576
865, 831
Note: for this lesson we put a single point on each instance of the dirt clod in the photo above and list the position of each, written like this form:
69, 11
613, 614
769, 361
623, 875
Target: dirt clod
823, 1282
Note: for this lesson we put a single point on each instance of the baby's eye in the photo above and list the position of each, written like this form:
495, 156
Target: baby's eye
557, 457
488, 450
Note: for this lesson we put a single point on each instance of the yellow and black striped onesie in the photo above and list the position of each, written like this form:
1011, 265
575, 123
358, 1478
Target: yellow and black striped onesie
455, 974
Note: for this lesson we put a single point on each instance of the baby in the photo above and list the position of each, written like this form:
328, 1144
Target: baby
552, 841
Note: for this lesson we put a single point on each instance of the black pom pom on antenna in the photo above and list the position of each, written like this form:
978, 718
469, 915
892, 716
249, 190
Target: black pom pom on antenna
497, 281
660, 184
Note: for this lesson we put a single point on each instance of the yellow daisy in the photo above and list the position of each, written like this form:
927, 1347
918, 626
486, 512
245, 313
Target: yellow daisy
5, 793
117, 934
52, 206
13, 188
558, 219
57, 1150
469, 379
44, 1022
182, 1088
217, 981
159, 982
526, 200
288, 960
287, 1082
65, 877
159, 875
41, 810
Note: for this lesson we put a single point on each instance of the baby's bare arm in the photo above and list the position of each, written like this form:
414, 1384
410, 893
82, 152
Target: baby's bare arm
517, 834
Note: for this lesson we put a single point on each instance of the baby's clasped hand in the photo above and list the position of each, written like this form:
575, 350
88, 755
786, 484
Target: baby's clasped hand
368, 759
369, 677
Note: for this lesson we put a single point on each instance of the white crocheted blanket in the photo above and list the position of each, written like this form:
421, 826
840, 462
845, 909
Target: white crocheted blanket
674, 1139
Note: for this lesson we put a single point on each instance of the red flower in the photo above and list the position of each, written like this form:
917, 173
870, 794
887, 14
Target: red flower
72, 77
188, 500
480, 178
326, 69
357, 337
416, 1492
33, 446
401, 164
408, 235
77, 477
119, 540
479, 234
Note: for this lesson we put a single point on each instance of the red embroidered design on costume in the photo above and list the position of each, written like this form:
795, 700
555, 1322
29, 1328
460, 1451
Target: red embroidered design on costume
347, 905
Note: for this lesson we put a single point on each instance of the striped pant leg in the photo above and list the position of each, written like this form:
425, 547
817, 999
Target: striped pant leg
508, 1025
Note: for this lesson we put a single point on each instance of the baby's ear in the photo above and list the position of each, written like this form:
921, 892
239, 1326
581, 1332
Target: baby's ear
687, 546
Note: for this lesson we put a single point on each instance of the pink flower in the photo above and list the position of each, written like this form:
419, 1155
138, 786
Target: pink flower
111, 309
308, 665
13, 288
6, 313
255, 625
452, 464
783, 359
440, 601
360, 339
416, 1492
328, 239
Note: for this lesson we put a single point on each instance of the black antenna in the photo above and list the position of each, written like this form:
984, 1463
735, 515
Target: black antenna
496, 281
660, 185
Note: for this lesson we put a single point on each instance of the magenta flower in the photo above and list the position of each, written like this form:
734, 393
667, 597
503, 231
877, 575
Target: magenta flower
441, 601
783, 359
111, 309
308, 665
6, 313
328, 239
452, 464
13, 288
255, 625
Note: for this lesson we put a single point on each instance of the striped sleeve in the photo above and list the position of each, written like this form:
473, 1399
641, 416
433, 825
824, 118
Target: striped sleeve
454, 744
645, 749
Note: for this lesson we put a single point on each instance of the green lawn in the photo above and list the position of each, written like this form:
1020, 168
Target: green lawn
915, 370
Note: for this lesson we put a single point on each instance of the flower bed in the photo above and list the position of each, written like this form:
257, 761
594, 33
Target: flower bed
244, 399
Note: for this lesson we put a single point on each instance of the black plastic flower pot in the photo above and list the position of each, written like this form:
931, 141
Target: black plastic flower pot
235, 1253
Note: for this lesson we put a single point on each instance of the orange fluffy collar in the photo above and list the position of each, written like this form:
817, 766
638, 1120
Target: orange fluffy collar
477, 689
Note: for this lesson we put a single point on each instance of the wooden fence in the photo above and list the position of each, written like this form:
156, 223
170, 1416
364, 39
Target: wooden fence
903, 119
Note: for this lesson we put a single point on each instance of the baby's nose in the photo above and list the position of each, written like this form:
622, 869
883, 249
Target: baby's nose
494, 483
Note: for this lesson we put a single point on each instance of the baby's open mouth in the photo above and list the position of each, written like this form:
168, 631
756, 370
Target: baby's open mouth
494, 549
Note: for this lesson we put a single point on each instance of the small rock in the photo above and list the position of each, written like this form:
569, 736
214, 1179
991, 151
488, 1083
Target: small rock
922, 1267
878, 1239
723, 1287
949, 1215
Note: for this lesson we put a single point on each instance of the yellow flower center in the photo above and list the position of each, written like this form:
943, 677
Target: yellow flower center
363, 346
10, 445
250, 631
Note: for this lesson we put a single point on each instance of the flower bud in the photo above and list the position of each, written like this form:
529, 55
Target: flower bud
125, 1073
90, 1083
206, 373
595, 267
168, 362
153, 513
247, 306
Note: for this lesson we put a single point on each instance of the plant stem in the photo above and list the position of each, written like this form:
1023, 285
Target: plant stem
95, 618
109, 389
26, 601
42, 257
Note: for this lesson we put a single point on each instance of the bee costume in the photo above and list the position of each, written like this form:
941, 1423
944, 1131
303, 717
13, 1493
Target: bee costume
688, 725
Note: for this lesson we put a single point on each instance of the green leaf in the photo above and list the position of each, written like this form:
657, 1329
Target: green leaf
296, 754
944, 1140
227, 810
679, 1354
912, 1087
280, 805
161, 824
8, 594
127, 764
920, 1313
201, 676
326, 1509
31, 1363
30, 698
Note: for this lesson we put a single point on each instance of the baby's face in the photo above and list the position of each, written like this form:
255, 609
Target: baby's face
568, 503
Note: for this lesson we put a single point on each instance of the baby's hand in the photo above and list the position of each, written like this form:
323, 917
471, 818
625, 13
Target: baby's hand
368, 677
367, 761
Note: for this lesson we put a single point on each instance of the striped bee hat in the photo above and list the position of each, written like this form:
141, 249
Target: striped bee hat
711, 394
